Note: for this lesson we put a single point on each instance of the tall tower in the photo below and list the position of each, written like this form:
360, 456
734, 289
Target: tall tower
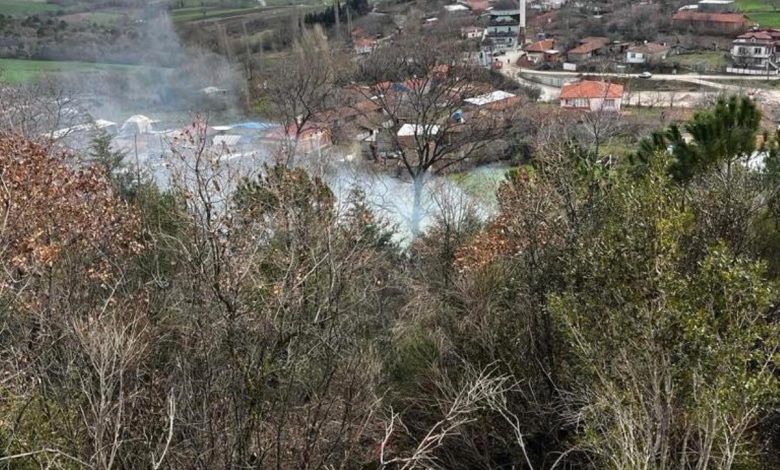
521, 35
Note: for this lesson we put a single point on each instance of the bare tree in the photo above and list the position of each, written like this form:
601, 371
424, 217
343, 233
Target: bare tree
303, 86
421, 91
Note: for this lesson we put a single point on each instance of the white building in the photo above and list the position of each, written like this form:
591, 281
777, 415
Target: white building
758, 50
505, 28
647, 53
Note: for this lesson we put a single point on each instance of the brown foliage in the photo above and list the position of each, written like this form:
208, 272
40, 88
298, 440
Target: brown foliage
52, 208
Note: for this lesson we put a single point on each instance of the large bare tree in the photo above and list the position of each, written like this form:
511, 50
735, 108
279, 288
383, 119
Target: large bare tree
421, 92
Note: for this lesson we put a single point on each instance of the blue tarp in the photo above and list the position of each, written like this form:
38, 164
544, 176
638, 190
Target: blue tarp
256, 125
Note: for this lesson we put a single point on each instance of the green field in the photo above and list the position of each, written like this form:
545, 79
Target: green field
26, 7
704, 61
761, 11
97, 17
22, 71
747, 6
766, 19
201, 13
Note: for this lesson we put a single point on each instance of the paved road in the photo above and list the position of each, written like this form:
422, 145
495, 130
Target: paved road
665, 77
682, 99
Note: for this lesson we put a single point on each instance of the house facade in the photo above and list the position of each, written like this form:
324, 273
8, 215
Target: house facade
501, 34
649, 52
587, 95
471, 32
718, 23
758, 49
587, 48
537, 51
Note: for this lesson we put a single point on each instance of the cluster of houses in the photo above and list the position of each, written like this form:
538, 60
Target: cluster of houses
546, 51
363, 126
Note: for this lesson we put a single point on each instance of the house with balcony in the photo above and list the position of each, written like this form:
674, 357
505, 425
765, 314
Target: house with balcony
501, 34
757, 51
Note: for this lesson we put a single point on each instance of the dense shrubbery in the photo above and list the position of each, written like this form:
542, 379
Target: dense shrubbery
606, 318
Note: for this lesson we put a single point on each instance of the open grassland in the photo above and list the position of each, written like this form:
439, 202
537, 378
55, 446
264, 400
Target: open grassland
26, 7
203, 13
702, 61
762, 12
766, 19
23, 71
747, 6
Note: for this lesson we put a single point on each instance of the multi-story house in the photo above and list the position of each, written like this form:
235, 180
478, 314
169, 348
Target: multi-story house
757, 49
505, 27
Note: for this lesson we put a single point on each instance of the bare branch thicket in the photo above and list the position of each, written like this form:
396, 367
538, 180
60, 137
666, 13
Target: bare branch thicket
304, 86
38, 109
483, 392
420, 91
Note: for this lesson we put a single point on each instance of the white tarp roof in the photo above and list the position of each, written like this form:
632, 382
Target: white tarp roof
456, 7
491, 97
138, 124
98, 124
408, 130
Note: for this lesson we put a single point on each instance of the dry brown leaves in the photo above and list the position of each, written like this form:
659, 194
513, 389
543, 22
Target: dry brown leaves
50, 207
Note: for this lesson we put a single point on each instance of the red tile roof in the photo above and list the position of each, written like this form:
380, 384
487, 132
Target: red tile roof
590, 44
364, 42
697, 16
649, 48
761, 34
541, 46
591, 89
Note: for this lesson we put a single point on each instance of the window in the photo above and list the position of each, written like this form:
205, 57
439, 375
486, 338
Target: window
758, 50
609, 103
577, 103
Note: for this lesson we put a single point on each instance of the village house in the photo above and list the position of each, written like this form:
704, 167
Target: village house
716, 6
457, 9
587, 95
364, 45
758, 50
649, 52
476, 6
312, 137
541, 51
501, 34
362, 42
547, 5
471, 32
718, 23
587, 48
493, 101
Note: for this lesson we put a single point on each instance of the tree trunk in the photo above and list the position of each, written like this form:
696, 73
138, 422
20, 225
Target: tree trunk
418, 184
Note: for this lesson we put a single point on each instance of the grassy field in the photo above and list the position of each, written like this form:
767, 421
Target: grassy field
203, 13
747, 6
22, 71
704, 61
26, 7
482, 182
766, 19
97, 17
